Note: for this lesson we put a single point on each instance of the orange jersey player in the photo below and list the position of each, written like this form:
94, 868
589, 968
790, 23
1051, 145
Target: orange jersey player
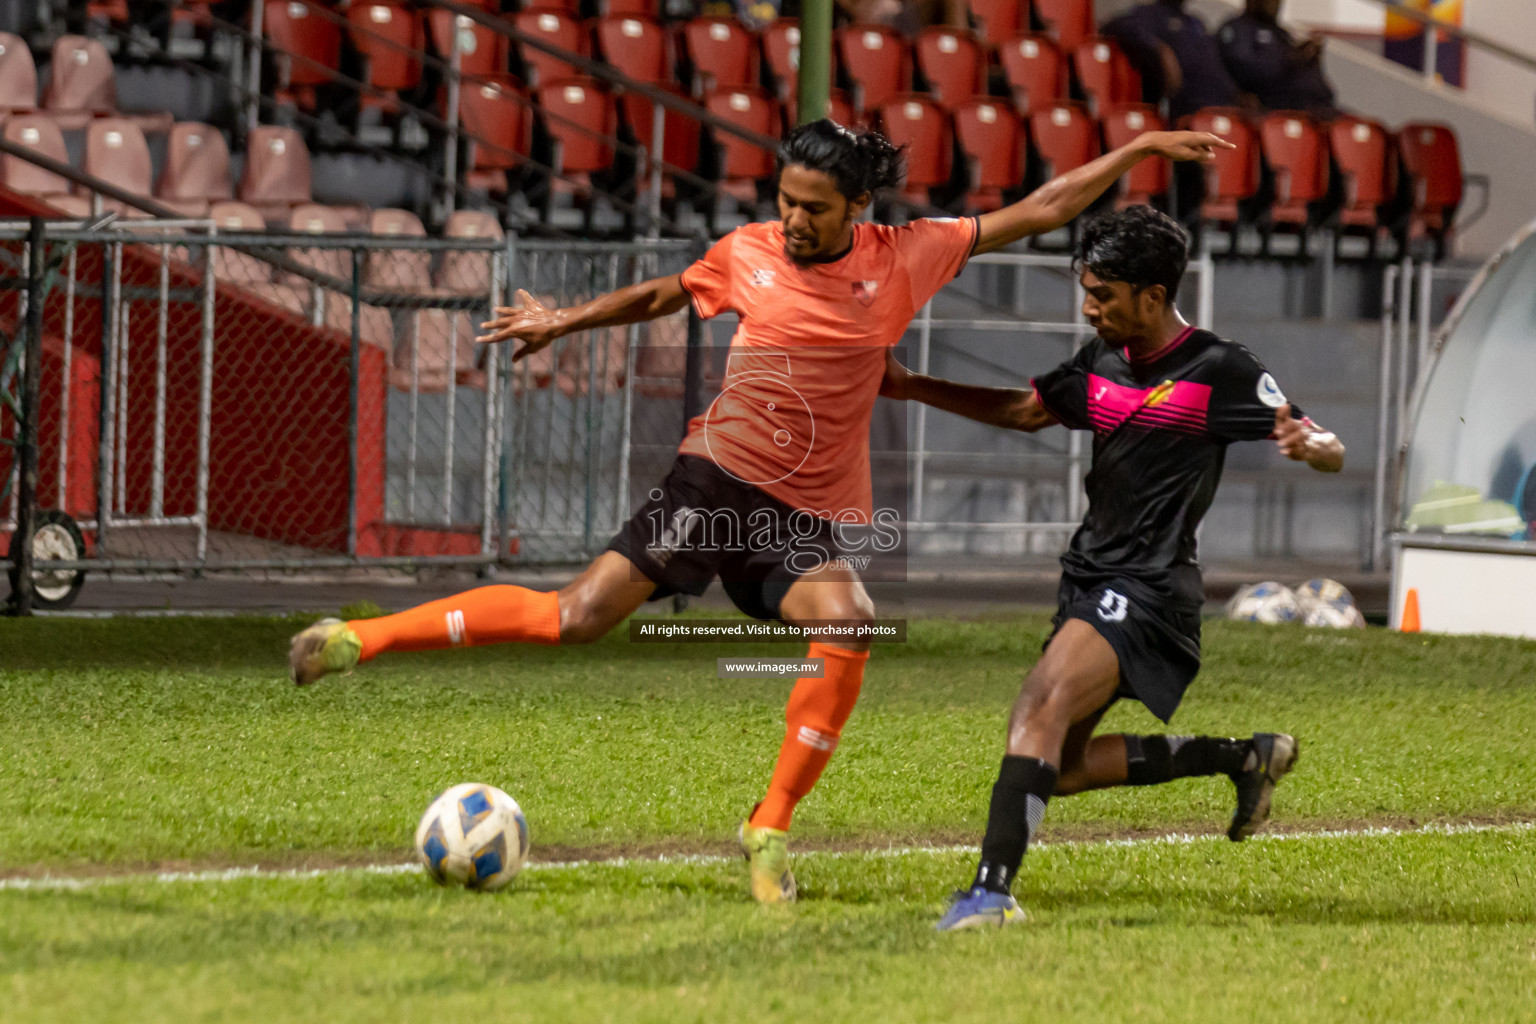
767, 476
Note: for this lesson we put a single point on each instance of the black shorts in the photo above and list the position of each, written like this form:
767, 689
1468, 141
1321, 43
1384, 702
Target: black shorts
1157, 644
702, 522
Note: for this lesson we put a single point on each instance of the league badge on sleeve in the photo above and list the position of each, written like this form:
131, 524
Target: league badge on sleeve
1270, 393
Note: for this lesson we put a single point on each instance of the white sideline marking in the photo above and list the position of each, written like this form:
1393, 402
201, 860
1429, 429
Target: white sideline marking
51, 883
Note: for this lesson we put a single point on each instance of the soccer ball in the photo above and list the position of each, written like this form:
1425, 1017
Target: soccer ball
473, 835
1328, 603
1267, 602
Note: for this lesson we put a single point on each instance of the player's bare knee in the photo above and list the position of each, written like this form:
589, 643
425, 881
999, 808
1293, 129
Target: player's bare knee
581, 622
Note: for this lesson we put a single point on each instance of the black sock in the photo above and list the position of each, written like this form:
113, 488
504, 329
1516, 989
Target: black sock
1154, 759
1023, 786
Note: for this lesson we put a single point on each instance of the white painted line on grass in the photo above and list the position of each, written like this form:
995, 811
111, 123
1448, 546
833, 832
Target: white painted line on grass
52, 883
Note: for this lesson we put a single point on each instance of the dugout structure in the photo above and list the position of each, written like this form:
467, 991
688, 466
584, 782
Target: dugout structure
1467, 500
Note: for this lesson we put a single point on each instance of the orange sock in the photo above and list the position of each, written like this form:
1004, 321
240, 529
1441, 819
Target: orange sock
487, 615
814, 722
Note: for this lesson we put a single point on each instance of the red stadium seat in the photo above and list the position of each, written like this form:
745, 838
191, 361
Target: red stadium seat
680, 134
781, 48
18, 75
1064, 137
1297, 153
999, 20
637, 47
1148, 180
840, 109
876, 60
1069, 22
1233, 176
389, 35
920, 124
583, 120
953, 64
1106, 74
754, 110
42, 136
558, 28
632, 8
498, 125
116, 152
990, 134
1362, 150
276, 175
196, 170
1432, 160
722, 53
309, 40
1036, 72
482, 52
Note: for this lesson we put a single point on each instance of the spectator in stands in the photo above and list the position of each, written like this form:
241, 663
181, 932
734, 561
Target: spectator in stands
1268, 63
1176, 56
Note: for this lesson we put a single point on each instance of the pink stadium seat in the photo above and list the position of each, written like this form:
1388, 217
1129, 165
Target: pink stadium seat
404, 270
583, 120
82, 82
1036, 71
558, 28
722, 53
877, 61
482, 51
990, 134
231, 264
601, 353
18, 75
953, 63
196, 171
635, 46
920, 124
116, 152
276, 176
41, 135
376, 327
463, 272
1106, 74
308, 37
440, 345
1148, 180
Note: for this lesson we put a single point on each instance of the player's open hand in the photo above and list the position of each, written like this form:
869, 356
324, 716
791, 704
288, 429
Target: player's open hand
1200, 147
530, 322
1292, 435
896, 378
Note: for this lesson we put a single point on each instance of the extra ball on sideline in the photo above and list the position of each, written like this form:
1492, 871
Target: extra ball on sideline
475, 836
1328, 603
1267, 602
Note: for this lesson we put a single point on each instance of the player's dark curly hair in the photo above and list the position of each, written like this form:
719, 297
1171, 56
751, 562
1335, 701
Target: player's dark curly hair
860, 162
1137, 245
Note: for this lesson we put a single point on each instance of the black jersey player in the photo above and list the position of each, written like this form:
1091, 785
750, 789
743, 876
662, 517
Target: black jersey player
1164, 400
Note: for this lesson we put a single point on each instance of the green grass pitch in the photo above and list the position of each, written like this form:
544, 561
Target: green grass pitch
135, 747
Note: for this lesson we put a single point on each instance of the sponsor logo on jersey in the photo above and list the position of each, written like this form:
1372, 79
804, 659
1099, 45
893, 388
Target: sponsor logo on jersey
864, 291
1158, 395
762, 278
1269, 392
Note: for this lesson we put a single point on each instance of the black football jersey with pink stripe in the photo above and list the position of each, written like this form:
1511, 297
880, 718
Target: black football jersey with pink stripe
1161, 426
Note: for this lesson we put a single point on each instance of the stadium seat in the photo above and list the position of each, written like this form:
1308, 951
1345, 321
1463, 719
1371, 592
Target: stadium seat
375, 325
1106, 74
631, 8
953, 64
1064, 137
18, 76
680, 135
1297, 153
1147, 183
82, 82
840, 108
742, 163
600, 354
276, 177
1069, 22
497, 122
781, 49
482, 51
992, 138
637, 47
558, 28
877, 63
235, 266
402, 269
1232, 178
1036, 72
196, 170
1432, 162
308, 38
661, 370
583, 120
1362, 151
999, 20
116, 153
465, 272
42, 136
388, 35
919, 123
440, 344
722, 54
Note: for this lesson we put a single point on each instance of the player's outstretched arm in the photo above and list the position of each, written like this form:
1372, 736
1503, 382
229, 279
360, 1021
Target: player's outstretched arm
1305, 441
536, 325
1059, 200
1012, 408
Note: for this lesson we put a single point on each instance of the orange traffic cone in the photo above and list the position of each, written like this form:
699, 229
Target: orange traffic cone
1410, 621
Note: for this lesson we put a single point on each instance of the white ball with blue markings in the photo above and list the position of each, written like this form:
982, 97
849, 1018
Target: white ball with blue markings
473, 835
1327, 602
1268, 602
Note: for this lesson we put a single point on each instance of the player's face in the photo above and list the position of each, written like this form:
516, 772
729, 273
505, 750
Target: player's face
1118, 312
817, 218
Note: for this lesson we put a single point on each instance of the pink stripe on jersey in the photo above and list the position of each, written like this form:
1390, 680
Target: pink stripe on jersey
1173, 403
1175, 343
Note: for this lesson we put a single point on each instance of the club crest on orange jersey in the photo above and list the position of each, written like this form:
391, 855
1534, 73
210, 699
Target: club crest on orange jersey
864, 291
1158, 395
